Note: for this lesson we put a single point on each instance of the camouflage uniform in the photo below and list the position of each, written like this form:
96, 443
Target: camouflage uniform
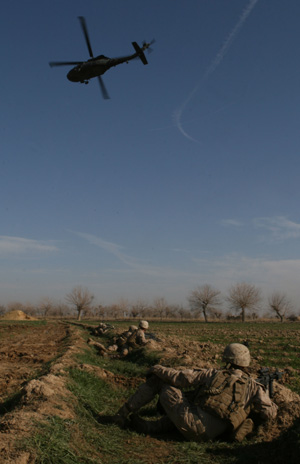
194, 420
139, 337
122, 343
101, 329
134, 339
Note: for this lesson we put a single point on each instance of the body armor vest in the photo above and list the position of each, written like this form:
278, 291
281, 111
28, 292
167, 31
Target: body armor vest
225, 397
122, 339
131, 341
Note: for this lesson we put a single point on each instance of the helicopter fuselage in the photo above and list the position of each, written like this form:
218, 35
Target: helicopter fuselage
96, 67
83, 71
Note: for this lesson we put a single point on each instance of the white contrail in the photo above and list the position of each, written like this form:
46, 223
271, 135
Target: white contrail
213, 66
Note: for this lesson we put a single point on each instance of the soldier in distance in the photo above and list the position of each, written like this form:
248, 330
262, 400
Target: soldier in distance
119, 342
133, 338
219, 404
101, 329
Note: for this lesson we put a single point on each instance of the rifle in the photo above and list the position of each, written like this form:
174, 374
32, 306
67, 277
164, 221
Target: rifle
266, 378
152, 336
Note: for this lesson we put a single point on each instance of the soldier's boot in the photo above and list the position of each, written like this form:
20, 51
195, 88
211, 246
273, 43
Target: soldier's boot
101, 348
144, 394
243, 430
119, 419
152, 427
103, 353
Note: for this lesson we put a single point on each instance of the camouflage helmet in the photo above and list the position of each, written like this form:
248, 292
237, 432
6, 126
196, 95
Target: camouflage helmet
237, 354
143, 325
132, 328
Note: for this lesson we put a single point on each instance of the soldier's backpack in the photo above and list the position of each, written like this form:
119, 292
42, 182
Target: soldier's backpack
131, 340
122, 339
225, 397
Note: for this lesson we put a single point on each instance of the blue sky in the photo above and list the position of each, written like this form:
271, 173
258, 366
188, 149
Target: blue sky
188, 175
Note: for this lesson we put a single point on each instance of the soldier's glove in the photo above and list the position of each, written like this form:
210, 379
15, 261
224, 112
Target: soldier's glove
150, 372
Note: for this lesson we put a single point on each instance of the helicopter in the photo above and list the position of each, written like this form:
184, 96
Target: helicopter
96, 66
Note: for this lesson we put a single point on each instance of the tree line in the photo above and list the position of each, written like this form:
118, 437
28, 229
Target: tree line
242, 301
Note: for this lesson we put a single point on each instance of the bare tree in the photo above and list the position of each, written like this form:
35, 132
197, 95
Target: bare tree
244, 296
182, 312
159, 307
138, 308
45, 306
60, 309
15, 306
216, 313
100, 311
114, 311
81, 298
175, 311
30, 309
135, 311
124, 305
2, 310
204, 299
279, 303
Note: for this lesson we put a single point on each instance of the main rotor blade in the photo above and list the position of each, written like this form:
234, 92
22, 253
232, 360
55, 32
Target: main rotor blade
64, 63
86, 35
103, 88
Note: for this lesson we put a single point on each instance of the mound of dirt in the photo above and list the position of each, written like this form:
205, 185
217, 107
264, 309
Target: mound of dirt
288, 403
17, 315
116, 380
188, 353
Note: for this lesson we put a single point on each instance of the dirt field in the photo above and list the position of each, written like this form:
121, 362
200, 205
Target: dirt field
31, 350
24, 350
35, 357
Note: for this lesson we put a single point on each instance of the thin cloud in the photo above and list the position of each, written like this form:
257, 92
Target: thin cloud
222, 271
180, 250
110, 247
231, 222
23, 245
134, 265
177, 115
280, 227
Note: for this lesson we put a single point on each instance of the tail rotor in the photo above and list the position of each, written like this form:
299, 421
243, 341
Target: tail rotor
147, 45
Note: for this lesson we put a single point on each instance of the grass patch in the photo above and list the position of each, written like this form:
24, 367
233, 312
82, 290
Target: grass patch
134, 365
116, 366
92, 392
95, 395
52, 444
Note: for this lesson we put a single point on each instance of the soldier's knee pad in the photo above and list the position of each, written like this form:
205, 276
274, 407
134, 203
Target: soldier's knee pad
169, 396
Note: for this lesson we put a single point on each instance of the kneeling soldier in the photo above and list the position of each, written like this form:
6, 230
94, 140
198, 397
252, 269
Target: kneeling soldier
219, 404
